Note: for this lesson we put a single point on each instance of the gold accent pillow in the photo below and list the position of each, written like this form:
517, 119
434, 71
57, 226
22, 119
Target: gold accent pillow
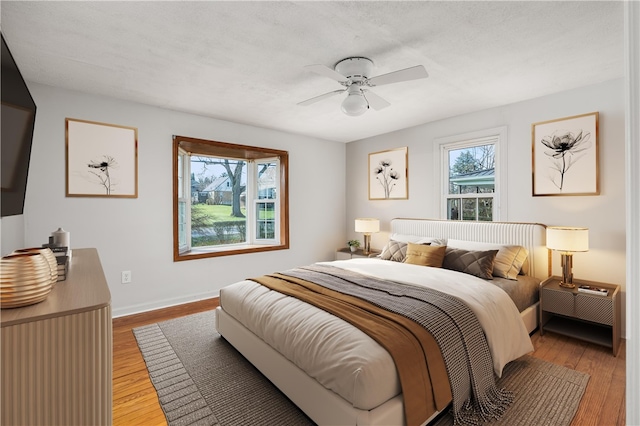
420, 254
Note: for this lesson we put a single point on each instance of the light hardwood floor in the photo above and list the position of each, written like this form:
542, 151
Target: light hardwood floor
135, 401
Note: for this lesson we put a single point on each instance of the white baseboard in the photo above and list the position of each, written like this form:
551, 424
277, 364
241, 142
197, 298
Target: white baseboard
161, 304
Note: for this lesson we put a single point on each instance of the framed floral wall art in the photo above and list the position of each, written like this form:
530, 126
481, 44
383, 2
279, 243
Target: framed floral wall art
101, 159
388, 175
565, 156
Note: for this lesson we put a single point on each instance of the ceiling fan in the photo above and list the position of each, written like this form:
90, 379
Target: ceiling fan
354, 73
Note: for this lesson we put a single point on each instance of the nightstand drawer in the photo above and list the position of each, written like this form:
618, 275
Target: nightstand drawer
343, 255
594, 308
558, 301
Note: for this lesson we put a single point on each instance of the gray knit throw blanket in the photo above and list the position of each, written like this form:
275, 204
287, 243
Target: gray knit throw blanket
476, 398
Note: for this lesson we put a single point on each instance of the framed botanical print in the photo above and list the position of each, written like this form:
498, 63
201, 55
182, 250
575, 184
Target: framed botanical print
101, 159
565, 156
388, 175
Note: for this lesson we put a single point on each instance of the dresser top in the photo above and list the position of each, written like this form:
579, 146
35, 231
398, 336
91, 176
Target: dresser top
85, 289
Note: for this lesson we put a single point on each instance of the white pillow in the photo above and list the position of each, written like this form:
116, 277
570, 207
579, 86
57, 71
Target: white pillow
509, 259
415, 239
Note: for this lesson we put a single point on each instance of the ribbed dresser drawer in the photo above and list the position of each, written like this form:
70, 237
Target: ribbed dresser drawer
594, 308
558, 302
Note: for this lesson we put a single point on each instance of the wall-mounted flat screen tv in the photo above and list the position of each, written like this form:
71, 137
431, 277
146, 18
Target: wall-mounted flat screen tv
18, 119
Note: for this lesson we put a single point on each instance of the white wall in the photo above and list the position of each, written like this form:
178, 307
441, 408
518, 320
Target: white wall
632, 125
136, 234
604, 215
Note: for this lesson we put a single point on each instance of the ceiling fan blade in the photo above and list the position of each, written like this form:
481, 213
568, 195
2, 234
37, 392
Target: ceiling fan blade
375, 101
406, 74
327, 72
321, 97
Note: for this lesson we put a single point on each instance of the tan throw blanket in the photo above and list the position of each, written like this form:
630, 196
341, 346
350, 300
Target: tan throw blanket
382, 309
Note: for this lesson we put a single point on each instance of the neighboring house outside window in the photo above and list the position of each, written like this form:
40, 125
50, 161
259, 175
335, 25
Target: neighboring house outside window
234, 200
470, 175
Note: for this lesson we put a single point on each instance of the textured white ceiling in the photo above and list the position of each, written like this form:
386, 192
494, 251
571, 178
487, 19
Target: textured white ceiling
244, 61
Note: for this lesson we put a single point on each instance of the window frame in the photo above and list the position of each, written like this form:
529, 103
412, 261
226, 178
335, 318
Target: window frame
442, 146
182, 167
194, 146
256, 200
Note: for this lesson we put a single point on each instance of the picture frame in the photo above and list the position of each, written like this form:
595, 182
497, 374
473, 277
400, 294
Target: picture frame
565, 158
101, 159
388, 175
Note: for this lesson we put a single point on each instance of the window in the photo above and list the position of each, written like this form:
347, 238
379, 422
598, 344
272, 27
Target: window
470, 175
228, 199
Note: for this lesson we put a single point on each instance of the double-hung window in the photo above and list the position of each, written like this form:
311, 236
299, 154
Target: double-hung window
228, 199
470, 177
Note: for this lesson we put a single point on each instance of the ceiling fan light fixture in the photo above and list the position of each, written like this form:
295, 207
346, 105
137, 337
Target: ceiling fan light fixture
354, 74
355, 103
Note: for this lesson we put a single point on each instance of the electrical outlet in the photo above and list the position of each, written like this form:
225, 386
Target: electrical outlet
126, 277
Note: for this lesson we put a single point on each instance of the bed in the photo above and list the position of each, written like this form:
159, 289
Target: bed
337, 374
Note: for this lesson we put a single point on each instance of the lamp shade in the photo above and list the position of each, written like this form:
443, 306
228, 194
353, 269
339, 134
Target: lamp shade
567, 239
367, 225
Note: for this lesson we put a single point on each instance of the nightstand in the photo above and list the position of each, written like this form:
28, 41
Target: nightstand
346, 253
589, 317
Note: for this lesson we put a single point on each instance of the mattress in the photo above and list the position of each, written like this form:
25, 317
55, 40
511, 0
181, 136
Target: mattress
344, 359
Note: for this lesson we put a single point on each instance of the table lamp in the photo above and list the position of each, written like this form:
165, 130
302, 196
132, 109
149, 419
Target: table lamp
367, 226
567, 240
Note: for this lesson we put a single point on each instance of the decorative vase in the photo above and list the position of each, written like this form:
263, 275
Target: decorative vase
353, 248
61, 238
25, 279
51, 258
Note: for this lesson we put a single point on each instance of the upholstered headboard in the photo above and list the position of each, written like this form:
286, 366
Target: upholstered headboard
532, 236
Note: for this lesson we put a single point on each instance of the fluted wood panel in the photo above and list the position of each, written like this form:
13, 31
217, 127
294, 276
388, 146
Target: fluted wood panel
532, 236
58, 371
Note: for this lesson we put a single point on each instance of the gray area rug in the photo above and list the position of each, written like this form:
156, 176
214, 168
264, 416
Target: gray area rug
545, 394
202, 380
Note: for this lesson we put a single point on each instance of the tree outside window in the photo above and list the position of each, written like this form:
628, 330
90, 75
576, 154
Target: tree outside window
471, 182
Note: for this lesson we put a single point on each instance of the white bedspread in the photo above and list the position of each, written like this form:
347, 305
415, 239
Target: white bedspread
346, 360
498, 315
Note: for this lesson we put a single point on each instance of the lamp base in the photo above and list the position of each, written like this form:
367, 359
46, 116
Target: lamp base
566, 260
367, 244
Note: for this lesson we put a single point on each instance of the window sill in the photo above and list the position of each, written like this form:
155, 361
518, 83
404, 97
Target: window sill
205, 252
